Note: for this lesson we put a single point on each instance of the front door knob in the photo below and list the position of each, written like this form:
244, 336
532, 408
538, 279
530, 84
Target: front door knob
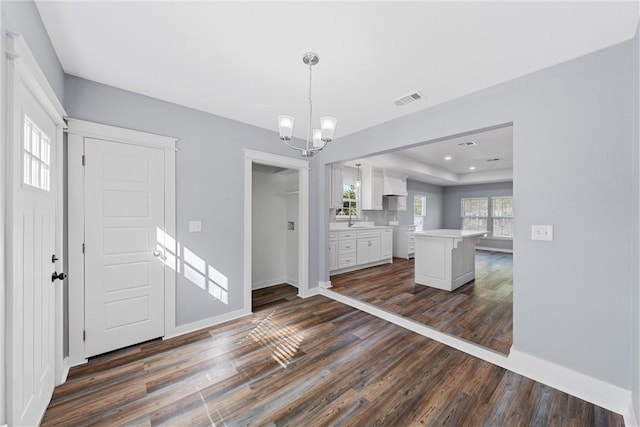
55, 276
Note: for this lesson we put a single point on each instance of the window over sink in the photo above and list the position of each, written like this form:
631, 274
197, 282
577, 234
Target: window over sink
349, 202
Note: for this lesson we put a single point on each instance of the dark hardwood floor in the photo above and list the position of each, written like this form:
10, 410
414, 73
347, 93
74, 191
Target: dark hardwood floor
480, 311
307, 362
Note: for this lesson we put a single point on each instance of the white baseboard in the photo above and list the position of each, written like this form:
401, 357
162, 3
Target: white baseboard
325, 285
309, 292
484, 248
63, 372
268, 283
292, 282
205, 323
598, 392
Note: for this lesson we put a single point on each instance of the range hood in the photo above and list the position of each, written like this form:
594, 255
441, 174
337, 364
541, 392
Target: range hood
394, 184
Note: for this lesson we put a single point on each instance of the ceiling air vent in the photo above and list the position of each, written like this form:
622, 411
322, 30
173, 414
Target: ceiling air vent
467, 144
416, 96
493, 160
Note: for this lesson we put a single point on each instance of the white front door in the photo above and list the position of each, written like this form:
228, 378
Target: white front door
31, 293
124, 268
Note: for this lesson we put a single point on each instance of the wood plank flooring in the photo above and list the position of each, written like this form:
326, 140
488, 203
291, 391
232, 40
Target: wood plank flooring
307, 362
480, 311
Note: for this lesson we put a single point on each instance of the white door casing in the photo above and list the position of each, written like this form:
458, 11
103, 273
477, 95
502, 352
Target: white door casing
81, 131
124, 210
34, 124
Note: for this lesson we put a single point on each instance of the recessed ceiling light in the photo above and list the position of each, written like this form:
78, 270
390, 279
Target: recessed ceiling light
448, 158
472, 168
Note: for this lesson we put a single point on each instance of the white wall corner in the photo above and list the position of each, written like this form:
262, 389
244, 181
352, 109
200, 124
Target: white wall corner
324, 285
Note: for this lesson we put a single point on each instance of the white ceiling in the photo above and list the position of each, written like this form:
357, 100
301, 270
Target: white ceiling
427, 162
242, 60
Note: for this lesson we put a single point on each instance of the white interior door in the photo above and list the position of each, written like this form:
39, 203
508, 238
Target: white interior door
32, 291
124, 268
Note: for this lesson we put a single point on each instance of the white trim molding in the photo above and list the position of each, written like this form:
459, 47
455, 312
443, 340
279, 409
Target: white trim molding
598, 392
78, 131
251, 157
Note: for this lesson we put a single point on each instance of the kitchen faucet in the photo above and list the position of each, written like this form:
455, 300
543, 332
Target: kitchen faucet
350, 223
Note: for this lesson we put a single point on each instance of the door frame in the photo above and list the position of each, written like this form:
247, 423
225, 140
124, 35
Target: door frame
78, 130
302, 166
22, 69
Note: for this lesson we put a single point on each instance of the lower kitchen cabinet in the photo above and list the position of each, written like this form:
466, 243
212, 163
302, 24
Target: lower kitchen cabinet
333, 251
354, 249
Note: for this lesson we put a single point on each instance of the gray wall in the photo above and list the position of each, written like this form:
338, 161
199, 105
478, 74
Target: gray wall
209, 179
572, 162
453, 195
435, 204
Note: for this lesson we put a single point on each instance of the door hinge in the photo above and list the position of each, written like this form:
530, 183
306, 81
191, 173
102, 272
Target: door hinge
84, 335
83, 248
83, 160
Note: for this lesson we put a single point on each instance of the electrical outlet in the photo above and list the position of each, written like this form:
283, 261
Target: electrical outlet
195, 226
542, 232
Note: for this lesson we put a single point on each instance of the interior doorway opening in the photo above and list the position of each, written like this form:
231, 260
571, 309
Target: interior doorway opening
275, 226
276, 216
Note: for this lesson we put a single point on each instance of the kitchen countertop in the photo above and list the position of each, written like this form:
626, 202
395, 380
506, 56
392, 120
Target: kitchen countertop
366, 227
449, 233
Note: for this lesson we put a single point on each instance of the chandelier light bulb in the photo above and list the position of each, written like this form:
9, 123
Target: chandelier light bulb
285, 127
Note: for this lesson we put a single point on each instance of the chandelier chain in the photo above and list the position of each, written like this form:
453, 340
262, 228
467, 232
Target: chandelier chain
309, 130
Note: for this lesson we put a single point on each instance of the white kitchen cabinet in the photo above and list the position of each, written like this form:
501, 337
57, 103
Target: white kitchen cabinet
403, 242
336, 186
360, 247
368, 246
386, 243
371, 188
397, 203
346, 249
333, 251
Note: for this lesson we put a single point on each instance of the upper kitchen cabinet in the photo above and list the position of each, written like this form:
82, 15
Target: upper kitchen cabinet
336, 186
371, 188
394, 184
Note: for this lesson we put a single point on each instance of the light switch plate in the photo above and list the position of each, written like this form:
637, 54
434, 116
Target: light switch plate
195, 226
542, 232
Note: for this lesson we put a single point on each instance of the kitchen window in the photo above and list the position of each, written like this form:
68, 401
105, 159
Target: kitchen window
502, 217
491, 214
419, 211
475, 213
349, 202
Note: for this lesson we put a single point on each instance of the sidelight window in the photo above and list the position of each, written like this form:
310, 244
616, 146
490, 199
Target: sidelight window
36, 156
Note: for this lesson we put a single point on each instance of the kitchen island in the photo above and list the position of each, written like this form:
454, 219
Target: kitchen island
445, 259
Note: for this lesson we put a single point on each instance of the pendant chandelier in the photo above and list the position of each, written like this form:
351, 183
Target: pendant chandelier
317, 139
